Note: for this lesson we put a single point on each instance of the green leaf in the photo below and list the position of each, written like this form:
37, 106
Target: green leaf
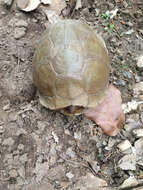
111, 26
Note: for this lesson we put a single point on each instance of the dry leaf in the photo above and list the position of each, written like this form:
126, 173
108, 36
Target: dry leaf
108, 115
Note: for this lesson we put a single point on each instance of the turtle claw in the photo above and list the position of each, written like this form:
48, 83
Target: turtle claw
109, 114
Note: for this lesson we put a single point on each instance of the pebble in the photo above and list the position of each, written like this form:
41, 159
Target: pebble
21, 23
138, 132
141, 116
131, 126
138, 78
8, 142
90, 182
70, 152
2, 129
127, 162
120, 82
69, 175
23, 158
127, 74
140, 62
77, 135
13, 173
6, 107
19, 32
138, 88
139, 147
124, 145
8, 2
130, 106
21, 131
129, 182
20, 147
21, 171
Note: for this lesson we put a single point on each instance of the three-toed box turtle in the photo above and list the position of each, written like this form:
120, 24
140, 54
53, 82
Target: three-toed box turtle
71, 67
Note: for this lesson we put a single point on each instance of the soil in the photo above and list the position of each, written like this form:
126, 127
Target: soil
33, 139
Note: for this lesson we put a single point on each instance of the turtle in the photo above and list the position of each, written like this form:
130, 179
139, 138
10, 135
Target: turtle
71, 67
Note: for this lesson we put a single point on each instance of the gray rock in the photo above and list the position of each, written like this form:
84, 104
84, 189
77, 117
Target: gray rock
13, 173
127, 162
139, 147
141, 116
8, 142
56, 173
21, 171
2, 129
140, 62
138, 132
129, 182
69, 175
138, 88
19, 32
90, 182
8, 2
124, 145
41, 170
120, 82
23, 158
127, 74
21, 23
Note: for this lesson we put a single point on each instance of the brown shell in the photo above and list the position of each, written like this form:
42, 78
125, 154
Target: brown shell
70, 66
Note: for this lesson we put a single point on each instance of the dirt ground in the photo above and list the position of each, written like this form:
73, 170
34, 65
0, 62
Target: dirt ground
42, 147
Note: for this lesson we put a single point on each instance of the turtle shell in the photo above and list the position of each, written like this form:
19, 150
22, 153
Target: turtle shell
70, 66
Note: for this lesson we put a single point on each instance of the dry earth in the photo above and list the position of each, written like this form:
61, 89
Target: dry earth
43, 149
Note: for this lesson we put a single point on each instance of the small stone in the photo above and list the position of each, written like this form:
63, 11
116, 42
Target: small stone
21, 131
69, 175
138, 132
13, 173
6, 107
111, 143
8, 142
8, 2
19, 32
21, 171
139, 147
70, 152
41, 170
124, 145
20, 181
130, 182
130, 106
23, 158
130, 126
20, 147
127, 74
141, 116
2, 129
128, 162
90, 182
140, 62
138, 78
41, 125
120, 82
21, 23
77, 135
138, 88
